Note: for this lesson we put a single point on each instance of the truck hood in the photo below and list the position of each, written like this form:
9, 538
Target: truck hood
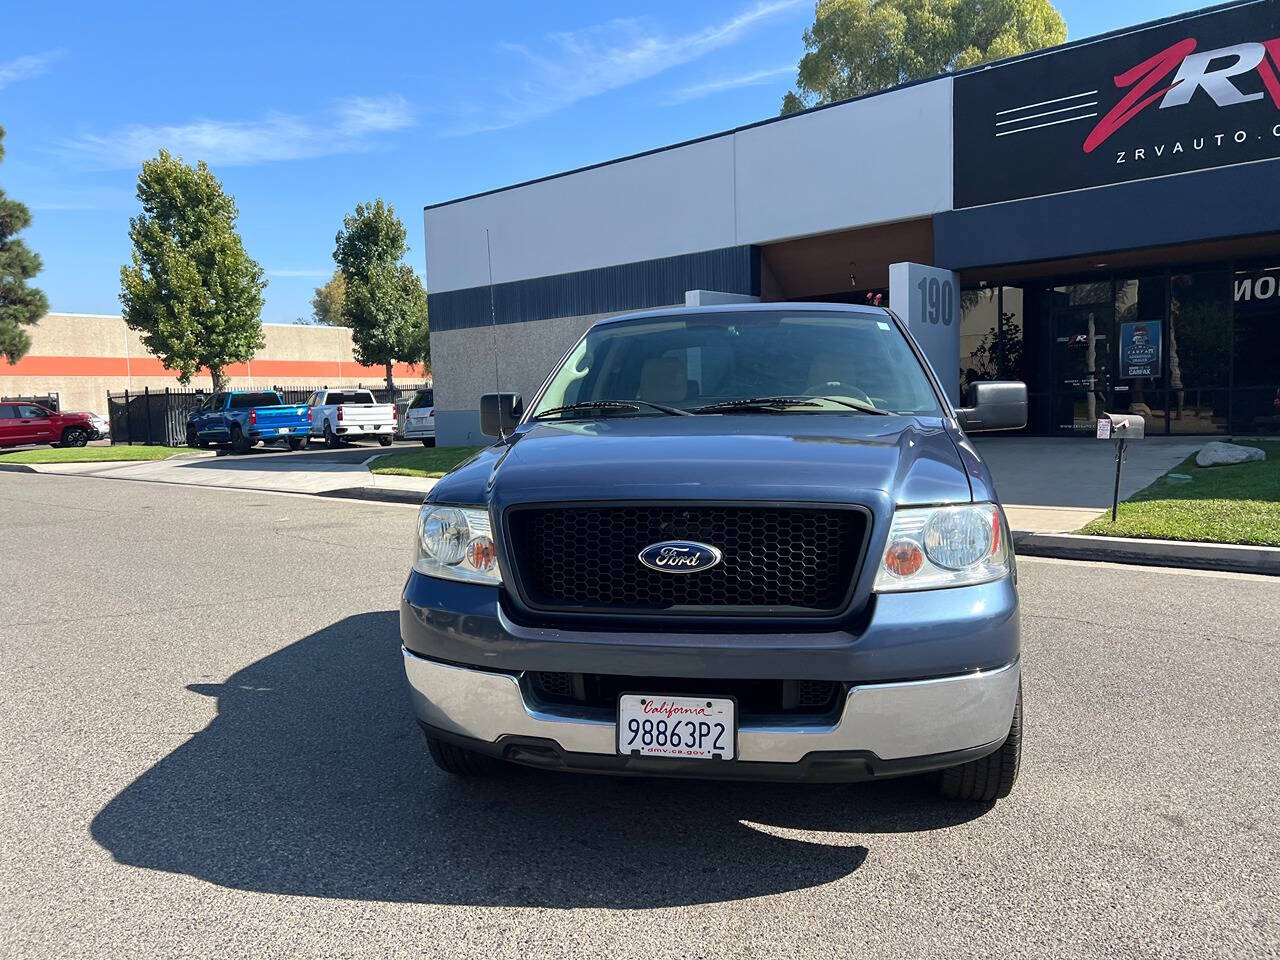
833, 458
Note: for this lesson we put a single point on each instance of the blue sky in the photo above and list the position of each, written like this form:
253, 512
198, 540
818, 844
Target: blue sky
303, 116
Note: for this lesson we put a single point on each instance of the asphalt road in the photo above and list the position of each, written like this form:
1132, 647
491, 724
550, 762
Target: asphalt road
205, 750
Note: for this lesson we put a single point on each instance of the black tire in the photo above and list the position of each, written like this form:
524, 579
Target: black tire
460, 761
192, 439
330, 440
74, 437
239, 442
299, 443
992, 777
384, 441
428, 441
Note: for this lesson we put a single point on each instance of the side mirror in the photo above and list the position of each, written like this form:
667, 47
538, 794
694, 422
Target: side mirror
499, 413
994, 405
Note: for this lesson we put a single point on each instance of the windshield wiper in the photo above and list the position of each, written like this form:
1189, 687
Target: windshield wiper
778, 404
612, 405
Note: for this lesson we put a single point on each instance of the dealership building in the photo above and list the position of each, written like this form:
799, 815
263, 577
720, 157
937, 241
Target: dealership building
1100, 220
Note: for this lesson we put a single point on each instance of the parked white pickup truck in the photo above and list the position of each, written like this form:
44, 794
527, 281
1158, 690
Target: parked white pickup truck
340, 415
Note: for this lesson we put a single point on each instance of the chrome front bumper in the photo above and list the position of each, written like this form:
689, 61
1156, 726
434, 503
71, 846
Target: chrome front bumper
893, 721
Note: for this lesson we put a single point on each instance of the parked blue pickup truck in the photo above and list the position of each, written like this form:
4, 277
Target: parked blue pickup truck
240, 418
748, 542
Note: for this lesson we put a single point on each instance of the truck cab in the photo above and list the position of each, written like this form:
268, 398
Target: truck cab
738, 542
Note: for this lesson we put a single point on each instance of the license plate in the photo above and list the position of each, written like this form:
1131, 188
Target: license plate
691, 728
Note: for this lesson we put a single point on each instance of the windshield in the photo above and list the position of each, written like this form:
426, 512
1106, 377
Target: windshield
707, 359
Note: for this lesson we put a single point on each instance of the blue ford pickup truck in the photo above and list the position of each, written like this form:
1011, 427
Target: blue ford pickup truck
242, 418
747, 541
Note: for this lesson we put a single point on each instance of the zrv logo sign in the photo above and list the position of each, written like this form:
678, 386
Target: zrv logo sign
1188, 95
1210, 71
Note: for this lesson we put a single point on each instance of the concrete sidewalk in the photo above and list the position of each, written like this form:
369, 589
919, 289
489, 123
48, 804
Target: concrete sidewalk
314, 474
1058, 484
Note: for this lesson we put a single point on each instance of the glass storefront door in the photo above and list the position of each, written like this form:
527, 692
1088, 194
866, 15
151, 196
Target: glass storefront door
1081, 365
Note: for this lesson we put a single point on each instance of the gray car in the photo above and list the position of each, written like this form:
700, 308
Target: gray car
747, 542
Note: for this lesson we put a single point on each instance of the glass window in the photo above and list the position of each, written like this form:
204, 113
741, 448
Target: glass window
1199, 350
689, 361
1138, 384
32, 412
1011, 339
8, 411
1256, 293
242, 401
979, 335
424, 398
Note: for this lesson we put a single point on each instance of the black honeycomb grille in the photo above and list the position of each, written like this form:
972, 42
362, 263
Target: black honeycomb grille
780, 559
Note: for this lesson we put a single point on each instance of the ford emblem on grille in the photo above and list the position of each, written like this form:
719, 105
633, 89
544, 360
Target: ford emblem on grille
680, 556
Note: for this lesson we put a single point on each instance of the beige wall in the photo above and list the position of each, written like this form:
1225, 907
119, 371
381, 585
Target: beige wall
81, 357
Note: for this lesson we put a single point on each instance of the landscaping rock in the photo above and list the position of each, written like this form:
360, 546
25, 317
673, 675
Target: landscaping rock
1218, 454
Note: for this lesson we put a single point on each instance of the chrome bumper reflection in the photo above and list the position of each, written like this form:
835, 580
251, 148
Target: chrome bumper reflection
892, 720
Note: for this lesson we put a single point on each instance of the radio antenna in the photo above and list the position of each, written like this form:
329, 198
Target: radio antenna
493, 312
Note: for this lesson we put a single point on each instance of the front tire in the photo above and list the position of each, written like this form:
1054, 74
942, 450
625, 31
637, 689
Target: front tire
461, 762
989, 778
74, 437
301, 444
384, 441
428, 441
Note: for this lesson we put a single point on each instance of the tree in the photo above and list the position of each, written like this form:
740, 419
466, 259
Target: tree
327, 305
20, 305
384, 304
857, 47
192, 291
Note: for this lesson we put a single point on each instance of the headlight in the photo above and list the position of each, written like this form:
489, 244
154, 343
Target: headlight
456, 543
944, 547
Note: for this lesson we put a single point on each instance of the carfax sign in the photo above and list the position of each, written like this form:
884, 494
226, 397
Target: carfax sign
1139, 350
1202, 91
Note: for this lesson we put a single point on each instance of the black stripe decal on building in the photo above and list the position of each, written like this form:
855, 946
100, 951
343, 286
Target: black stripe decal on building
628, 286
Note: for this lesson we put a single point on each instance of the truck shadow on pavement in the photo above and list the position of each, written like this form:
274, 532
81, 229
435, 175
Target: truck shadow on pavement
314, 780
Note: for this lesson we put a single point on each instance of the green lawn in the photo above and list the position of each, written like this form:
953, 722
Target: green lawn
90, 454
1235, 504
427, 462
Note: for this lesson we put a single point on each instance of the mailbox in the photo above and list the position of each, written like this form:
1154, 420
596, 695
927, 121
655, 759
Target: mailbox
1121, 426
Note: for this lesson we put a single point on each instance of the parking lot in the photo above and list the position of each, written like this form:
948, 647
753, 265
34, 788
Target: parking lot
207, 751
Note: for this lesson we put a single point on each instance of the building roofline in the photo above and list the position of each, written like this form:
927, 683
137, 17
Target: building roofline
1046, 51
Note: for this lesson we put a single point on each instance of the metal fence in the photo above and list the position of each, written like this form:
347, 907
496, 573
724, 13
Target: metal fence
49, 400
160, 417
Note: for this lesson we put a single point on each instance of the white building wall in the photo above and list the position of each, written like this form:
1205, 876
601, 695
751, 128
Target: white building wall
659, 205
875, 160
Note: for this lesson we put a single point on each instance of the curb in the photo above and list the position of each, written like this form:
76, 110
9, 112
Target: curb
17, 468
380, 494
1231, 557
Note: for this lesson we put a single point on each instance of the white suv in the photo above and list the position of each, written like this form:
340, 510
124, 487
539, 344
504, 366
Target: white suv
417, 421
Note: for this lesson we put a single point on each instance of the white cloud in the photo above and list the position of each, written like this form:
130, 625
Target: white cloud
349, 126
24, 68
709, 88
584, 63
286, 272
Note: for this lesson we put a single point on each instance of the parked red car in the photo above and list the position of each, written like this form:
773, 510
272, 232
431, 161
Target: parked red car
30, 423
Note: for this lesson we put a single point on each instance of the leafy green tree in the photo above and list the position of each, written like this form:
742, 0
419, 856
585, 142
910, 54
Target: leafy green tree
327, 305
20, 305
192, 291
857, 47
384, 303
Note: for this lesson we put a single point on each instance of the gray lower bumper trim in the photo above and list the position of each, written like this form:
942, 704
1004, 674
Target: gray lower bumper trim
892, 720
